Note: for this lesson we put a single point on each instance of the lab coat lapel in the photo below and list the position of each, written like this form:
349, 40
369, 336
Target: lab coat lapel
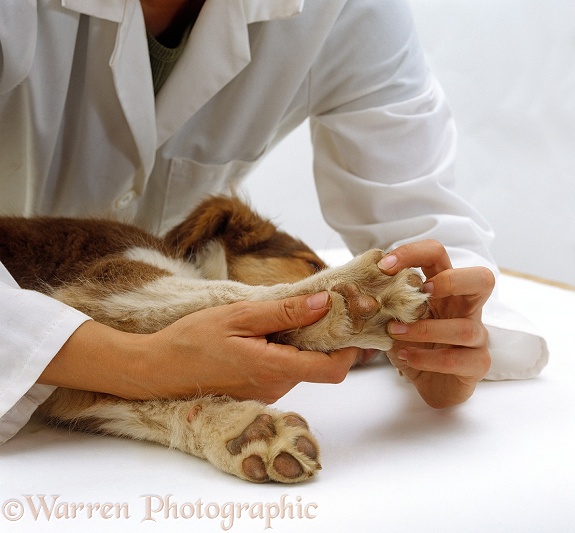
217, 50
130, 64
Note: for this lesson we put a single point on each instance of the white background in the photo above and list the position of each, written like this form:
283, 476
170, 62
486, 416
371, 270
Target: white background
508, 68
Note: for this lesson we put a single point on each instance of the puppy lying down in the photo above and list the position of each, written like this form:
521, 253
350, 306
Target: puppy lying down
222, 253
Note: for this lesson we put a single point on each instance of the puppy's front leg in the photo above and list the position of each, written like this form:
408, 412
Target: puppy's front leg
137, 297
363, 301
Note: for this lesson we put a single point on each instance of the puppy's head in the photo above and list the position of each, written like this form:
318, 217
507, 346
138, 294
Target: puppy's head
256, 252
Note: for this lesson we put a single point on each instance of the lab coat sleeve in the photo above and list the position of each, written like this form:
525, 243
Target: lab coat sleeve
18, 32
33, 328
385, 176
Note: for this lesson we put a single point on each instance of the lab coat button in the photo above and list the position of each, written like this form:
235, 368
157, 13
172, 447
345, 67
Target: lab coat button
125, 200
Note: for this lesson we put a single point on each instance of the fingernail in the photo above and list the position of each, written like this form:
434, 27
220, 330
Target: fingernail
318, 301
389, 261
397, 328
402, 355
428, 287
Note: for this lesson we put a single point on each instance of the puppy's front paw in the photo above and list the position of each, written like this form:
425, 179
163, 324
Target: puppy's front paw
372, 298
364, 300
276, 447
255, 442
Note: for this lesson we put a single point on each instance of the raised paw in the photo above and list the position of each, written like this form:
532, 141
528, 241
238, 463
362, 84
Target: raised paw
257, 443
363, 301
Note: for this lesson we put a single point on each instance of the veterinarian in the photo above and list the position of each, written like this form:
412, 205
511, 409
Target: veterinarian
138, 109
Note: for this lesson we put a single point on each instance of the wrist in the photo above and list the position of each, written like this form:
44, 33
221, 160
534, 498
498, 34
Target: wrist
99, 358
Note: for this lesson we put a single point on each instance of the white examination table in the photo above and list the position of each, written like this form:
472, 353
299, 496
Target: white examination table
504, 461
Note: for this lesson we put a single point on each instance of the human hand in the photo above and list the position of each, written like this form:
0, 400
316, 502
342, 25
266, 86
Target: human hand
447, 355
223, 350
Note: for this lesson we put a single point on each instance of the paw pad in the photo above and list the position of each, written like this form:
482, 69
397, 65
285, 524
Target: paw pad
255, 468
295, 455
361, 307
262, 428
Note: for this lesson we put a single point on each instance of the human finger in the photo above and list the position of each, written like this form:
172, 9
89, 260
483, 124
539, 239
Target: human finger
254, 319
453, 331
429, 255
462, 362
291, 367
475, 282
365, 356
313, 367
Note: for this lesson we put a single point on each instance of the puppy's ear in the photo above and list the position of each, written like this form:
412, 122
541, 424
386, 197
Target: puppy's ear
227, 219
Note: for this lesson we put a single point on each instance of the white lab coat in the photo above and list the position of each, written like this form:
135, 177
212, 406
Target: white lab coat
81, 134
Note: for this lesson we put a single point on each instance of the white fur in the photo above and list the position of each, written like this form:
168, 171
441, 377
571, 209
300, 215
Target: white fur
157, 259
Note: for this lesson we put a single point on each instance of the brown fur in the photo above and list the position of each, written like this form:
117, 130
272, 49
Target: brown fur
256, 252
47, 250
51, 251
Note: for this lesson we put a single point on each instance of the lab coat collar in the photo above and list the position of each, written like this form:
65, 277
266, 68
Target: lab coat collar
255, 10
200, 73
258, 10
104, 9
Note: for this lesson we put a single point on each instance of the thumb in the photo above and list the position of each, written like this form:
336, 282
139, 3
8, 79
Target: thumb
280, 315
